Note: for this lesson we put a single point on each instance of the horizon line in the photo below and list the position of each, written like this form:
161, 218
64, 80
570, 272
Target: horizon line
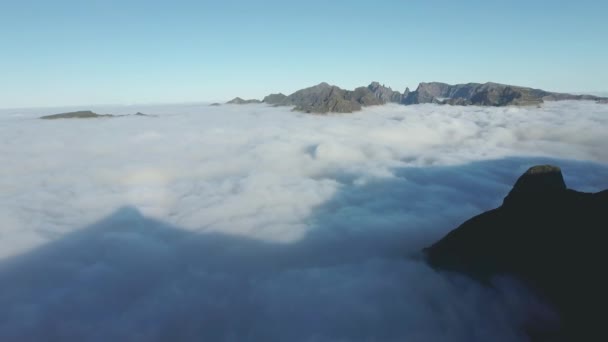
600, 93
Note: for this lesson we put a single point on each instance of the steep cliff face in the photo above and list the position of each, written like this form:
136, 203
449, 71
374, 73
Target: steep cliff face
547, 235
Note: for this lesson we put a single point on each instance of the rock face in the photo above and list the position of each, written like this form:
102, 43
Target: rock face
548, 236
240, 101
83, 114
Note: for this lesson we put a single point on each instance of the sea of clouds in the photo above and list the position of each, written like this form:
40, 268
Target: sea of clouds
254, 223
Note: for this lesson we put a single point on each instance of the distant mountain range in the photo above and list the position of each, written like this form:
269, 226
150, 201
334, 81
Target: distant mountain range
326, 98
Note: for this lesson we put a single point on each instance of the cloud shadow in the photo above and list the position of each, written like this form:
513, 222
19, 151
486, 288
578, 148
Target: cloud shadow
355, 276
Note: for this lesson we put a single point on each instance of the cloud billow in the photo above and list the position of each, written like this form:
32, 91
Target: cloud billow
257, 223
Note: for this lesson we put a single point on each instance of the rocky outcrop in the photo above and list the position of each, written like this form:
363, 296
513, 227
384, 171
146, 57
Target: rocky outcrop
240, 101
550, 237
83, 114
87, 114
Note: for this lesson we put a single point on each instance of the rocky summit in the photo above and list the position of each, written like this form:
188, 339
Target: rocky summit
548, 236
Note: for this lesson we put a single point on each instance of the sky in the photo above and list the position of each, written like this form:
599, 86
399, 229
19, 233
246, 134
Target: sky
257, 223
63, 52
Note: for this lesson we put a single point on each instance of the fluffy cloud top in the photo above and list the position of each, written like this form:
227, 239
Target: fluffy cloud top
257, 223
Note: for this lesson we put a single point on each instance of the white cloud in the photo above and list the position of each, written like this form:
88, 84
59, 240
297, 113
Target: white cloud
257, 223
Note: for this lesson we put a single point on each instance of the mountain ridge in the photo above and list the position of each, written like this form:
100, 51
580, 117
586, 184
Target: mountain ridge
324, 98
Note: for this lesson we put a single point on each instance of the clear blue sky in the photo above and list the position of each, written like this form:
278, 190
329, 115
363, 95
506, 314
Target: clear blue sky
108, 52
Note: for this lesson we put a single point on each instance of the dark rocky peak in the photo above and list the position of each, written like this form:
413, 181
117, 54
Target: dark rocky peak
540, 178
549, 237
538, 183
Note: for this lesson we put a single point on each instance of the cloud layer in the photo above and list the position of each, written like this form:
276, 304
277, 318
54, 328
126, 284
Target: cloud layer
257, 223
